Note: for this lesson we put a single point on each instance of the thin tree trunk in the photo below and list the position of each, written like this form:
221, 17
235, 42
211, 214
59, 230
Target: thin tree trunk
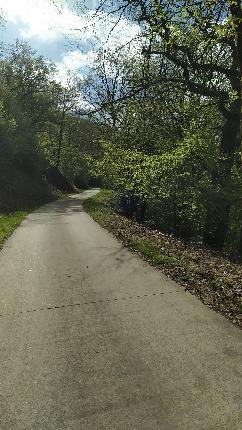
60, 140
236, 12
174, 216
240, 243
230, 145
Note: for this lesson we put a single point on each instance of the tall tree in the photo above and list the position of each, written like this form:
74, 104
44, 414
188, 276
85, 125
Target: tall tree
203, 39
66, 101
110, 84
199, 47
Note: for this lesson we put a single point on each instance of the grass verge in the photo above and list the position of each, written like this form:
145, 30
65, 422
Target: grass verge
216, 281
100, 208
8, 223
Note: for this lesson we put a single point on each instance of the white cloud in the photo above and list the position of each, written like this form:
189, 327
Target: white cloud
33, 18
75, 60
48, 21
72, 62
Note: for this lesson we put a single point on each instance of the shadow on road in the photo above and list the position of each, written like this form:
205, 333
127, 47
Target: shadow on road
62, 207
67, 206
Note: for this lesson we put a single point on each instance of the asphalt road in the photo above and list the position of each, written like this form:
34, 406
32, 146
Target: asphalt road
93, 338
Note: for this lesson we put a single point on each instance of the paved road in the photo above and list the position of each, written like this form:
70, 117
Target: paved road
92, 338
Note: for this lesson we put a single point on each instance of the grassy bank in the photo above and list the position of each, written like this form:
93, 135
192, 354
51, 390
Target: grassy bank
8, 223
215, 280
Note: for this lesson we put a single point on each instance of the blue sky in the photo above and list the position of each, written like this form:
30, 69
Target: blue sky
60, 32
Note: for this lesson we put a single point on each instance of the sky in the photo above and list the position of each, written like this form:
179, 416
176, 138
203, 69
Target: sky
63, 33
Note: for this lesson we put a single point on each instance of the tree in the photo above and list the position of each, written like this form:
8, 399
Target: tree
203, 39
27, 76
198, 46
109, 85
65, 101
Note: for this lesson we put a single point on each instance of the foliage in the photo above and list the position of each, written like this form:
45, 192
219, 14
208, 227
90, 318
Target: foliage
173, 187
174, 151
38, 128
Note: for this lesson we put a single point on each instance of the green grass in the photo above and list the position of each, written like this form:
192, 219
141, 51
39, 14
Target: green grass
150, 249
8, 223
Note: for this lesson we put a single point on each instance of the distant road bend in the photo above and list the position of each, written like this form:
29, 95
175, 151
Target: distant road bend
93, 338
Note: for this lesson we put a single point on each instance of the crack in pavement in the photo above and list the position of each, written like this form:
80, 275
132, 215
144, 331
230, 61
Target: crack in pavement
53, 307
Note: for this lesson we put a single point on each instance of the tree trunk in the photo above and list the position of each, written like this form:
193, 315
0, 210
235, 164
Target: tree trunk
230, 145
240, 243
231, 139
60, 138
236, 13
174, 217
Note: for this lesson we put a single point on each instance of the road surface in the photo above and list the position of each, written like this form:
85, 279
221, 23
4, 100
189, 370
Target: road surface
93, 338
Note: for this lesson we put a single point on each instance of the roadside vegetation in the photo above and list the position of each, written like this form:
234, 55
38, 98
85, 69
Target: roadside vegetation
212, 277
11, 219
43, 143
8, 223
